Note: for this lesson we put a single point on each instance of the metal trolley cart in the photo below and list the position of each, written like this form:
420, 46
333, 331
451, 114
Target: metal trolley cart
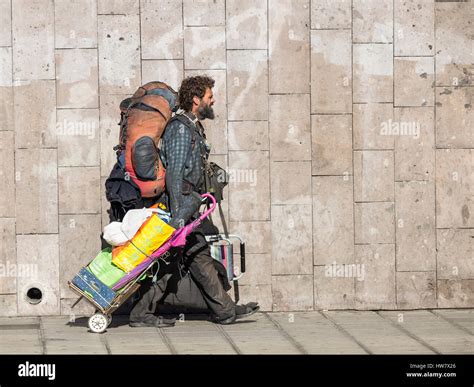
107, 300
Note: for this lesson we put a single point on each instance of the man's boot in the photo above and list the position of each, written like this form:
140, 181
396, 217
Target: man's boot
241, 311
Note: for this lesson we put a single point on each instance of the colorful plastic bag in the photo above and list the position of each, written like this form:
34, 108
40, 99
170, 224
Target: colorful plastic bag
103, 268
151, 235
119, 233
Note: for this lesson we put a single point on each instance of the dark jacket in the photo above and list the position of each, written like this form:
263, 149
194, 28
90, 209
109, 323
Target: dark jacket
183, 152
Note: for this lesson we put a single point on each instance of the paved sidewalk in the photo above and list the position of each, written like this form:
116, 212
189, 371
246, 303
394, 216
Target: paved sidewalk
333, 332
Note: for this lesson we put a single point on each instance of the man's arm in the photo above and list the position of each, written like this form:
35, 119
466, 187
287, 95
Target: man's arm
178, 147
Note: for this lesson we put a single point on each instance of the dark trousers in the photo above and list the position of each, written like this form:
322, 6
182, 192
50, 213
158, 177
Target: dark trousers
207, 278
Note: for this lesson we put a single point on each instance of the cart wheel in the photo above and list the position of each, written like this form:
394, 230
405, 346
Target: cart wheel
98, 323
109, 319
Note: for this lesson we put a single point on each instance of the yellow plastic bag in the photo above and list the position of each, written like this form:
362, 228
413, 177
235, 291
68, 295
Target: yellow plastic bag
151, 235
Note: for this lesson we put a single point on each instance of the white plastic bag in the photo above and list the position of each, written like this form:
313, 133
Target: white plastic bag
119, 233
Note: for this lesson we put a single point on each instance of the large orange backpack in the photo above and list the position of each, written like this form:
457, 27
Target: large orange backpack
146, 113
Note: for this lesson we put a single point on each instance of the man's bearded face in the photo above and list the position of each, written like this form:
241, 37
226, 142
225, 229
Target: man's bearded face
205, 109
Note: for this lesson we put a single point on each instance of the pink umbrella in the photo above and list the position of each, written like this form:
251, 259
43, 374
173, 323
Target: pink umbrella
177, 239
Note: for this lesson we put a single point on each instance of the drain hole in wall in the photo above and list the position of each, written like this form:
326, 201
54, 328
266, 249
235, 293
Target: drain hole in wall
34, 296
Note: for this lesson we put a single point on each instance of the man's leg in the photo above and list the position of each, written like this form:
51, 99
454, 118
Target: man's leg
203, 271
142, 313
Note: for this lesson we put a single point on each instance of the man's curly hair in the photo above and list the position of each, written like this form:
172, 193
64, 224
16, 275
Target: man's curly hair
193, 86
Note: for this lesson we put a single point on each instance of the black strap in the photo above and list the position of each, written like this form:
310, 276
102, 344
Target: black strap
144, 106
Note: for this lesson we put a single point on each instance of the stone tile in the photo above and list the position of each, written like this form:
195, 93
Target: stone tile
414, 27
257, 270
54, 347
373, 73
119, 47
434, 330
8, 268
204, 13
79, 190
6, 61
373, 126
73, 256
216, 129
377, 334
246, 24
332, 292
33, 37
43, 273
374, 223
83, 308
6, 89
455, 293
247, 85
260, 337
256, 235
249, 135
316, 333
114, 7
5, 23
372, 21
37, 129
19, 321
292, 292
78, 137
292, 240
331, 72
198, 337
162, 19
77, 78
331, 144
109, 117
257, 293
8, 305
414, 145
204, 48
415, 219
454, 30
333, 225
289, 38
455, 258
331, 14
27, 345
128, 345
249, 186
168, 71
454, 202
291, 182
416, 290
454, 117
414, 81
462, 317
290, 127
7, 174
373, 176
75, 24
374, 273
36, 191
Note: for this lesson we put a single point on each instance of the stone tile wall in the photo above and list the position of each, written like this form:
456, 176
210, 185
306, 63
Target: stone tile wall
347, 127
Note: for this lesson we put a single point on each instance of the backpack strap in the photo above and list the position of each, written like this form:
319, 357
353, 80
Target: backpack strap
185, 121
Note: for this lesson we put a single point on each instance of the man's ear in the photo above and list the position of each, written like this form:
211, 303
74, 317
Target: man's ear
196, 100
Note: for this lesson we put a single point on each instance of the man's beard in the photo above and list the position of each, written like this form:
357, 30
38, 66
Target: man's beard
205, 111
